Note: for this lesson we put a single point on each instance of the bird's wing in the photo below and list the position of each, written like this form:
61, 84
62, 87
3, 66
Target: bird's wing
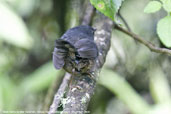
65, 45
86, 48
58, 58
60, 52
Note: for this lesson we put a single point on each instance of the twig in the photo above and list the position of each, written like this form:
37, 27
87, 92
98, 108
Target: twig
83, 87
146, 43
59, 94
124, 21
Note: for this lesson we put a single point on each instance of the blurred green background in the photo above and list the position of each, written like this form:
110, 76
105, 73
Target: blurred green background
134, 80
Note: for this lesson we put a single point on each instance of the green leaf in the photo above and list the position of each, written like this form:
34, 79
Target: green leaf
164, 30
123, 90
108, 7
152, 7
118, 4
167, 5
12, 28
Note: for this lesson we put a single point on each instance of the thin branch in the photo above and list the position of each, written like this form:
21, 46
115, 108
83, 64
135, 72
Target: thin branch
124, 21
146, 43
60, 93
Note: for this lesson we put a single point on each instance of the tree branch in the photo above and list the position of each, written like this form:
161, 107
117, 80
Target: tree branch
82, 88
60, 93
51, 91
89, 12
146, 43
124, 21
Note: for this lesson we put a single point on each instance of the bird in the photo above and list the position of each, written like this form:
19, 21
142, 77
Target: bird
75, 51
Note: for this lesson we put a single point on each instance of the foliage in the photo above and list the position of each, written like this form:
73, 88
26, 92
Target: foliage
37, 81
152, 7
24, 69
163, 26
167, 5
40, 79
111, 7
118, 86
164, 30
159, 87
14, 30
107, 7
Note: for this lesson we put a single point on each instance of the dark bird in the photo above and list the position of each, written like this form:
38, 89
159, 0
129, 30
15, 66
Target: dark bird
76, 50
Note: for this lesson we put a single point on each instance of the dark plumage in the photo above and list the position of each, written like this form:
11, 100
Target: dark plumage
76, 51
